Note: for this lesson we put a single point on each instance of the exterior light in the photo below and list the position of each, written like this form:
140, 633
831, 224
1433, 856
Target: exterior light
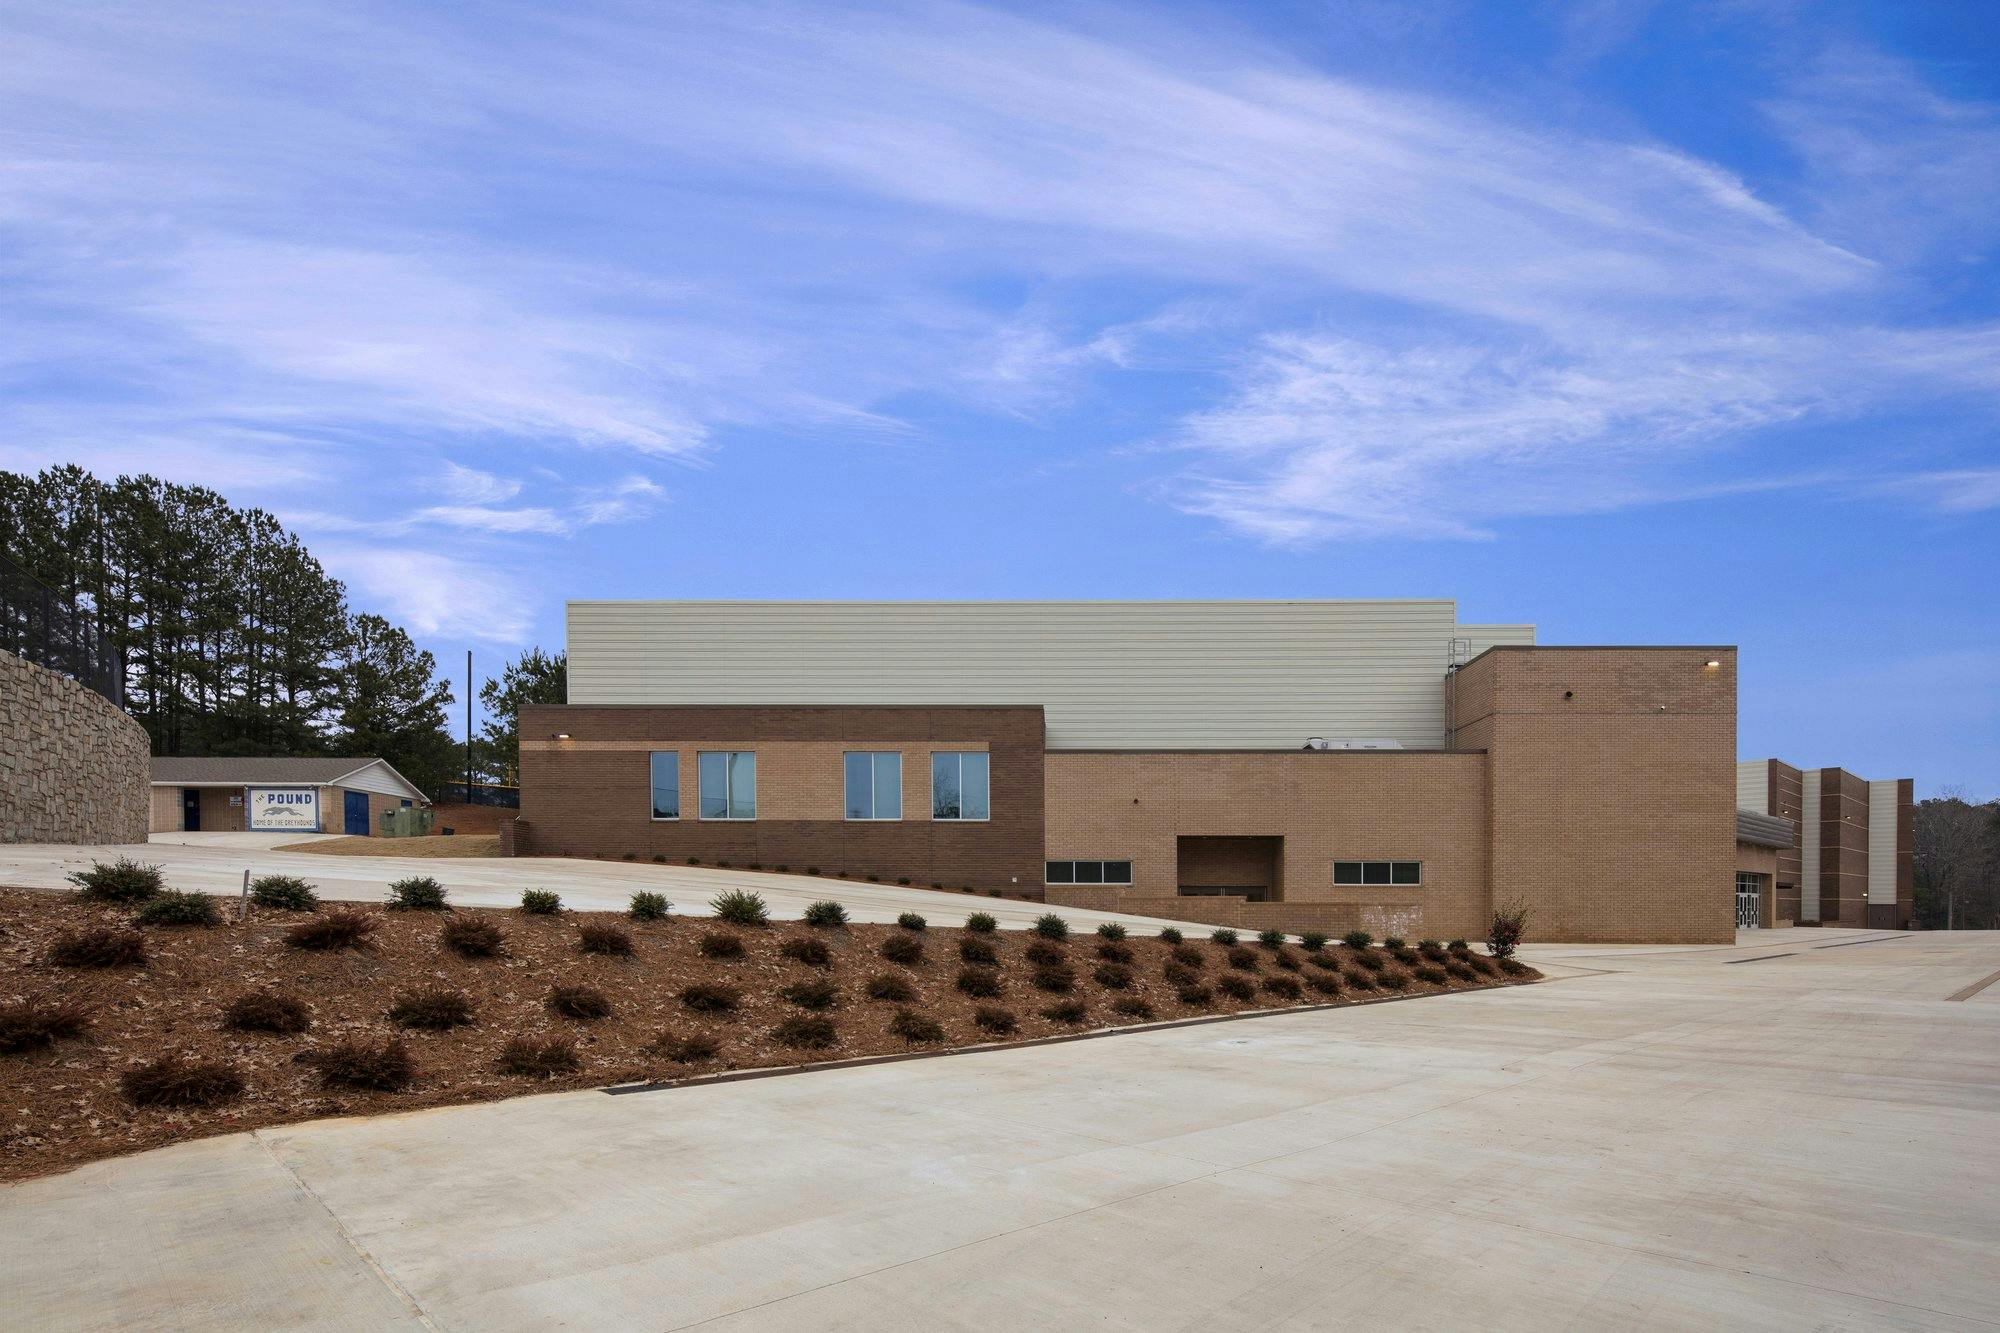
1714, 662
562, 735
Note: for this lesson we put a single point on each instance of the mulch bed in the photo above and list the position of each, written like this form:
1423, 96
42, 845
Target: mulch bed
62, 1105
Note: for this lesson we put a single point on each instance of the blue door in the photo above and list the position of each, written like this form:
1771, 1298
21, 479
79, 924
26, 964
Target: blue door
357, 812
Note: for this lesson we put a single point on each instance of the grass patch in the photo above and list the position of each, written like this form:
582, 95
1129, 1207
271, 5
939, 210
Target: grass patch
1188, 955
1131, 1006
805, 949
472, 937
585, 1003
1236, 988
692, 1049
1198, 996
1054, 980
1112, 976
35, 1024
1326, 983
605, 941
1285, 988
972, 949
815, 995
979, 982
915, 1028
1242, 959
806, 1032
98, 946
383, 1065
176, 1082
1179, 974
992, 1018
891, 987
905, 949
267, 1011
710, 997
431, 1009
1429, 973
1071, 1012
1043, 953
719, 944
545, 1057
344, 929
1111, 951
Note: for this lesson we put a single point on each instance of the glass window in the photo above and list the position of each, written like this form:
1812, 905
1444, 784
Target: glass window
1117, 872
1088, 872
728, 784
1405, 872
959, 785
1346, 872
1378, 872
1060, 872
666, 784
874, 785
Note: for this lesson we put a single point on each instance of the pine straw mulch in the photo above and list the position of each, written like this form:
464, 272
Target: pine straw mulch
62, 1105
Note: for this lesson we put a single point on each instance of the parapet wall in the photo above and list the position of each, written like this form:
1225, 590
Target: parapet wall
74, 767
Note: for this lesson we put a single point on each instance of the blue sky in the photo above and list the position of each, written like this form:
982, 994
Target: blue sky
1645, 323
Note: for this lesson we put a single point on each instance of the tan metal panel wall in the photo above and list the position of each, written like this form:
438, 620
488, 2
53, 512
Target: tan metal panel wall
1882, 841
1809, 834
1483, 637
1753, 786
1192, 675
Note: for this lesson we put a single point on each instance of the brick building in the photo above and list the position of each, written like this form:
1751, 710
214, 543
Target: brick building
1326, 765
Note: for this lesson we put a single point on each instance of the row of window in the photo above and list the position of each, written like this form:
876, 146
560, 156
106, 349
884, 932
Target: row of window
1378, 872
726, 784
1344, 872
1088, 872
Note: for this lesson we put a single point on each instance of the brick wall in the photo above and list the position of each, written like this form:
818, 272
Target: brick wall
1843, 848
73, 767
1787, 799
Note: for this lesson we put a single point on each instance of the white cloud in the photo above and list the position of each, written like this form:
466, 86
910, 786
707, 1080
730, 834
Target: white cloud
471, 486
432, 594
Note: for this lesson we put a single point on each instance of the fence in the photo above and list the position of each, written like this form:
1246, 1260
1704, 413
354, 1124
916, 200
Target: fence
46, 628
481, 793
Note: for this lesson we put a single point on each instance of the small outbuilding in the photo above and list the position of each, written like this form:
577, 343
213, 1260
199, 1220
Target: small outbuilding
235, 795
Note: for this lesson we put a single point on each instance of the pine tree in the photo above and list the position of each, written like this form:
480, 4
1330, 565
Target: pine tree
393, 704
535, 677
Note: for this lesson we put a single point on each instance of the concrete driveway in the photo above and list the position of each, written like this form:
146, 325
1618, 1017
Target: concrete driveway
215, 862
1756, 1137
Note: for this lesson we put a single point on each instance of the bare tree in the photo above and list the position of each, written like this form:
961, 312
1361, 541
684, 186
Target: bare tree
1957, 862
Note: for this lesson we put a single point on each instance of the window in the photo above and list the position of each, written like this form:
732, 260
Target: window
728, 784
1378, 872
874, 785
666, 784
959, 785
1088, 872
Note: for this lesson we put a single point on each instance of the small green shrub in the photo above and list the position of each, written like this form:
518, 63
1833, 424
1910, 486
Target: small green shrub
979, 982
432, 1009
35, 1023
472, 937
1225, 936
123, 882
344, 929
1504, 933
384, 1065
1131, 1006
806, 1032
179, 907
891, 987
719, 944
711, 998
826, 914
805, 949
648, 907
1071, 1012
1394, 943
739, 907
1110, 930
915, 1028
1111, 976
903, 880
267, 1011
175, 1081
418, 893
1457, 946
580, 1002
1326, 983
905, 949
1431, 949
541, 902
1285, 988
1312, 941
815, 994
1180, 974
1357, 939
98, 946
1171, 934
547, 1057
1235, 987
1242, 959
973, 950
284, 893
982, 923
1111, 951
1429, 973
1055, 980
1045, 953
604, 940
1271, 939
911, 921
992, 1018
1189, 955
1195, 994
1051, 927
693, 1049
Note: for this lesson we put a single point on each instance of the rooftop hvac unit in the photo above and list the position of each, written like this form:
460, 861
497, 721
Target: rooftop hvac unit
1380, 743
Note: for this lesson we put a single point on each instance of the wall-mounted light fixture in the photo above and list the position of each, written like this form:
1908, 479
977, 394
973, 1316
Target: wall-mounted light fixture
1712, 663
562, 735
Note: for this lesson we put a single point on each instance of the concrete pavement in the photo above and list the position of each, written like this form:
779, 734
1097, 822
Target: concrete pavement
1757, 1137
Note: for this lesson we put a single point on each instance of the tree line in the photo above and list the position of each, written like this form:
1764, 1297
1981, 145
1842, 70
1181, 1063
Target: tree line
1957, 864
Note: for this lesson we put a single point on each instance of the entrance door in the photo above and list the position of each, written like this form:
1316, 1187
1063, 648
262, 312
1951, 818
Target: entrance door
1749, 901
191, 809
356, 810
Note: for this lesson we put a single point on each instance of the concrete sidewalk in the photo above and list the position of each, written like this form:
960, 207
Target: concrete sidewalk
1717, 1139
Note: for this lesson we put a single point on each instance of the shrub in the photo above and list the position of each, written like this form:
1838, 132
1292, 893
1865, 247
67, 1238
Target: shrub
692, 1049
1197, 995
432, 1009
1459, 971
1111, 930
580, 1002
648, 907
719, 944
267, 1011
1171, 934
1225, 937
1431, 949
1051, 927
978, 982
740, 907
472, 937
176, 1081
972, 950
98, 946
992, 1018
903, 880
890, 986
545, 1058
31, 1024
1113, 952
1187, 955
418, 893
825, 914
806, 1032
286, 893
982, 922
1285, 988
815, 994
1326, 983
179, 907
1179, 974
694, 860
711, 998
1327, 961
607, 941
1243, 959
1286, 959
1043, 953
1072, 1012
915, 1028
345, 929
1133, 1007
807, 950
1113, 977
1429, 973
1371, 960
541, 902
1357, 939
382, 1066
1513, 967
905, 949
1503, 934
1362, 980
1390, 979
1055, 980
910, 920
1394, 943
1235, 987
1312, 941
124, 881
1458, 946
1271, 939
1485, 967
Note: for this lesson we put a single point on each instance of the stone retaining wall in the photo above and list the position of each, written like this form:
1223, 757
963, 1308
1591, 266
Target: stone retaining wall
73, 766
